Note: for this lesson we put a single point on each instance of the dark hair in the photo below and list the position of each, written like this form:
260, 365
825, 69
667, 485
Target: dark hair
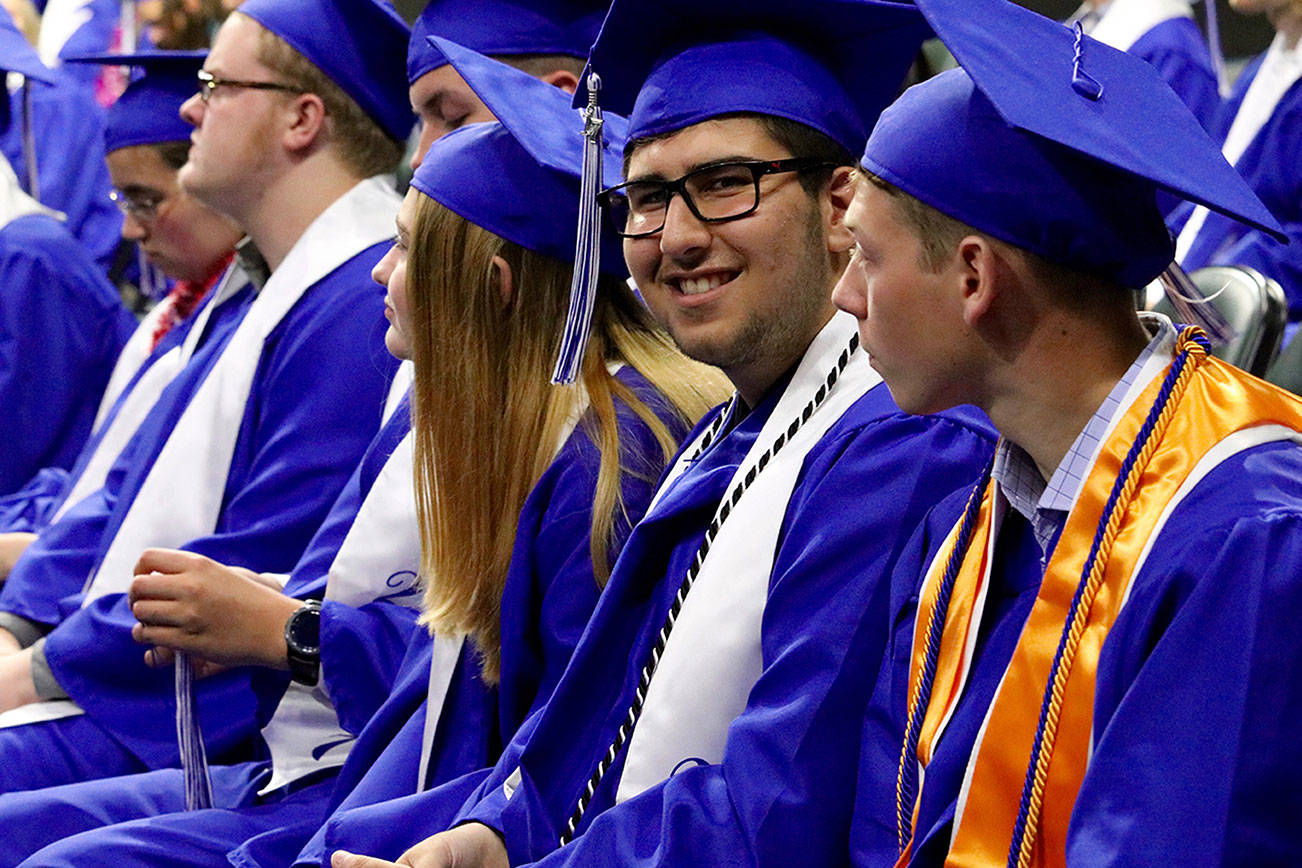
799, 139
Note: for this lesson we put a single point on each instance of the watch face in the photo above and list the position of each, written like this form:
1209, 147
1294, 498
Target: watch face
304, 632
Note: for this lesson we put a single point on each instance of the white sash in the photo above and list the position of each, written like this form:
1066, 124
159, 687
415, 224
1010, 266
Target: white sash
1125, 21
1279, 70
712, 658
133, 355
144, 395
380, 556
181, 497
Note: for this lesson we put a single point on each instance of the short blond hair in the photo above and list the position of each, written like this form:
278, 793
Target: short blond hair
361, 143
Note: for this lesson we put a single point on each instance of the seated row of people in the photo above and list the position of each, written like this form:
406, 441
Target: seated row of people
625, 655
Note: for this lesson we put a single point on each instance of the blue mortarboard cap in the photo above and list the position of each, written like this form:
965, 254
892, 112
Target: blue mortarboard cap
356, 43
497, 27
18, 55
1053, 142
518, 178
148, 111
830, 64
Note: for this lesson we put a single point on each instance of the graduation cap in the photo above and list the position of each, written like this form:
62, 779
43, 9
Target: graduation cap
356, 43
18, 55
1053, 142
504, 27
148, 111
830, 64
518, 178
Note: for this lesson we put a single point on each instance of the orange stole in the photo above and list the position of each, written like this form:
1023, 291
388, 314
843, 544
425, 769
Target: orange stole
1219, 400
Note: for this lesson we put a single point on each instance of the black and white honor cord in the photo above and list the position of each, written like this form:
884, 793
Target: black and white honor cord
725, 509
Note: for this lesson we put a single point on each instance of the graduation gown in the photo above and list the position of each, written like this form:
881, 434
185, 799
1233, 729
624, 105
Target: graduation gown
781, 792
297, 444
1187, 724
61, 327
44, 496
1269, 166
44, 816
68, 129
382, 801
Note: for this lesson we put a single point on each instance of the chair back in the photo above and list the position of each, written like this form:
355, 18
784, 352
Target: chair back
1255, 308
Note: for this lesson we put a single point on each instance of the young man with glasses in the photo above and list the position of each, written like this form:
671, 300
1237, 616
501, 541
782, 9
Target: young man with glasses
711, 712
243, 455
147, 143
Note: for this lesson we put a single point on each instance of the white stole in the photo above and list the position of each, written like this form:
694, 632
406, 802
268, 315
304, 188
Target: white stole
1279, 70
712, 658
1124, 21
181, 496
133, 354
144, 395
380, 556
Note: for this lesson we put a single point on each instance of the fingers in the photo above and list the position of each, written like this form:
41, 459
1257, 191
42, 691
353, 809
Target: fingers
159, 656
169, 561
344, 859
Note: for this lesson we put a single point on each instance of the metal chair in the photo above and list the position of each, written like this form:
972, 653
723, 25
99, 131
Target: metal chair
1254, 306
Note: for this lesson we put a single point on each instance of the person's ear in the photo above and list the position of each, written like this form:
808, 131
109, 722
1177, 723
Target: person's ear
562, 78
505, 280
978, 265
307, 118
840, 193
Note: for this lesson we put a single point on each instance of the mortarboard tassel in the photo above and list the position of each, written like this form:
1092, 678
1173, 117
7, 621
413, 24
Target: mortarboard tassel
1214, 46
29, 143
587, 252
194, 759
1193, 307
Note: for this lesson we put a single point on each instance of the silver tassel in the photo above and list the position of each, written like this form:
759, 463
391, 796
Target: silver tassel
587, 251
29, 144
194, 759
1193, 307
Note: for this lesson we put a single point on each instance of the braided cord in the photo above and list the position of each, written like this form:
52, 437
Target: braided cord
725, 509
907, 778
1192, 349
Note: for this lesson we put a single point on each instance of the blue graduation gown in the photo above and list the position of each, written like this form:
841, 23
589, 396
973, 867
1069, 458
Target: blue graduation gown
1193, 757
782, 794
1177, 50
549, 595
298, 443
61, 327
33, 506
41, 817
68, 129
1270, 167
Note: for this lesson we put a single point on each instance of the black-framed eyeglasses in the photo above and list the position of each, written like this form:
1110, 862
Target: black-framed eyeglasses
209, 83
140, 206
714, 194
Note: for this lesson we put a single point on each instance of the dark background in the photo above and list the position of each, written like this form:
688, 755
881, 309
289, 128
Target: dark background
1241, 35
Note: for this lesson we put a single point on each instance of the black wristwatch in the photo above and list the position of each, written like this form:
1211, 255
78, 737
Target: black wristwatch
303, 643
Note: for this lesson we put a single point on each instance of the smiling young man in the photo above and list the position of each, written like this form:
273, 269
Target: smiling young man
296, 122
1085, 666
711, 706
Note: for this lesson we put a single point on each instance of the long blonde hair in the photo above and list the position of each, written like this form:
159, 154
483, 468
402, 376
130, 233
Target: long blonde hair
487, 423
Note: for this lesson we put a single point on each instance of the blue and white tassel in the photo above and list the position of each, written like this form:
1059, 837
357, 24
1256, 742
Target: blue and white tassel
587, 251
194, 759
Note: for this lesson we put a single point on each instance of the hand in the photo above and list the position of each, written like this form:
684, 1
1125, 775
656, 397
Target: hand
161, 657
16, 685
8, 643
224, 615
472, 845
12, 545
